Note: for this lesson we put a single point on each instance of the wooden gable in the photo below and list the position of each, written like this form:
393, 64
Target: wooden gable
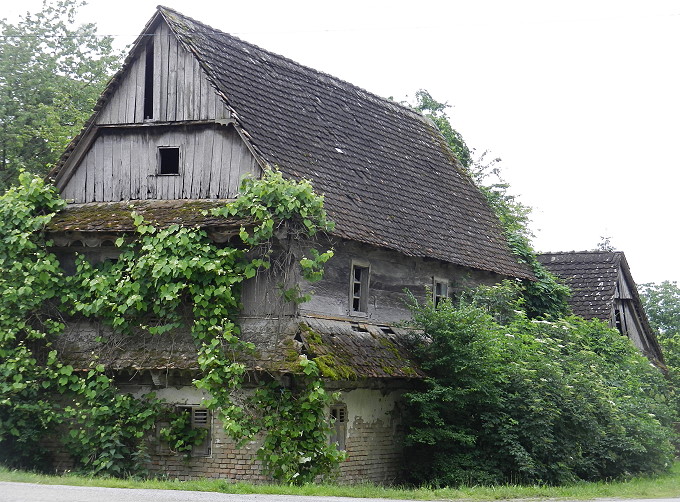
162, 101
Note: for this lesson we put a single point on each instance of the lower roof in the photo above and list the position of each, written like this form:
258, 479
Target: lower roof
344, 350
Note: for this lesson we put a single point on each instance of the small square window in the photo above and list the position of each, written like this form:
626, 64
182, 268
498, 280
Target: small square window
168, 160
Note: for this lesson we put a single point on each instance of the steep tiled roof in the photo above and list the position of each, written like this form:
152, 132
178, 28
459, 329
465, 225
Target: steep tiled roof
591, 276
388, 177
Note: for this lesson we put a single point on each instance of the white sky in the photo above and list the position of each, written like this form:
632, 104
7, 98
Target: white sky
580, 98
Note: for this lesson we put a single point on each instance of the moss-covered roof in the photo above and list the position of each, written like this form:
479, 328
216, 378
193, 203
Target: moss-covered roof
346, 350
117, 216
343, 350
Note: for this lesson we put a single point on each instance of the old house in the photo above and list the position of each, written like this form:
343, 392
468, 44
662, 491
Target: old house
602, 287
190, 113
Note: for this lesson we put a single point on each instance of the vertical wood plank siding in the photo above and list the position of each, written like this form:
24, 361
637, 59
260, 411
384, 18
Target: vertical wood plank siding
123, 165
181, 89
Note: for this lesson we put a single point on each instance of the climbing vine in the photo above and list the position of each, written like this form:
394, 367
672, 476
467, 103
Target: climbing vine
177, 277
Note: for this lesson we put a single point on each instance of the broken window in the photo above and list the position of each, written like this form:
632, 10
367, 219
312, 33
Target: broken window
440, 291
168, 160
359, 289
339, 426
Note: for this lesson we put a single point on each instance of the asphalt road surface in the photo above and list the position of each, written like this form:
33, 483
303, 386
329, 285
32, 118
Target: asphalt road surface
28, 492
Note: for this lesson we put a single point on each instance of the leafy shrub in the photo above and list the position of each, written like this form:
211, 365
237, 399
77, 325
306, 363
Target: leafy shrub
509, 398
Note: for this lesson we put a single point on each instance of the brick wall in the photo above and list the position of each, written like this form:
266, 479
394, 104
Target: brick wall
374, 437
225, 462
373, 441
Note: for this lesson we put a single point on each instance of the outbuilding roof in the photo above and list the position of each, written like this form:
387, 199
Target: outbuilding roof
388, 176
591, 276
597, 279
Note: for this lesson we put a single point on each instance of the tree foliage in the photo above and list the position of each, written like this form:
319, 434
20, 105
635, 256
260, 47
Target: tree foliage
661, 302
510, 399
436, 111
51, 74
161, 274
544, 297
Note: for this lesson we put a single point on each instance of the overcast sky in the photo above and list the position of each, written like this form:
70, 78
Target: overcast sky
580, 98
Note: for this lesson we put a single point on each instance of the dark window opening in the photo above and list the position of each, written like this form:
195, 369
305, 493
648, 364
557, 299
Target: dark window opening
148, 81
617, 321
359, 291
440, 292
169, 160
339, 426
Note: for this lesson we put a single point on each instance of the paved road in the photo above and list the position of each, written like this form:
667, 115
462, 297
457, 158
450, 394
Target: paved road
27, 492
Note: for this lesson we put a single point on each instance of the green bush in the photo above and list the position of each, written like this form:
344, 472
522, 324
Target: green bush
513, 399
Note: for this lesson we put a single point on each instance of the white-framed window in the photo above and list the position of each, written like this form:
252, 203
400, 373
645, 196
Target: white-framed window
338, 425
169, 160
358, 288
440, 290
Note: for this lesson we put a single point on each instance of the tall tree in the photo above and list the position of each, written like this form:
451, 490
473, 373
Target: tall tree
662, 305
51, 73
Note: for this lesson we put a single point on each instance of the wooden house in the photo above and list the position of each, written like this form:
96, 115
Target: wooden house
602, 287
190, 113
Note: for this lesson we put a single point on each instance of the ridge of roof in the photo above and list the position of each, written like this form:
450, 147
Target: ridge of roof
590, 251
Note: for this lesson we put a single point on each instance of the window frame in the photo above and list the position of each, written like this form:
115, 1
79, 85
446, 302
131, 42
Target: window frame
159, 161
438, 297
363, 283
338, 419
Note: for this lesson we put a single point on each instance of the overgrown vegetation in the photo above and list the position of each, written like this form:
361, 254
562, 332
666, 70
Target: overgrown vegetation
662, 304
514, 399
160, 274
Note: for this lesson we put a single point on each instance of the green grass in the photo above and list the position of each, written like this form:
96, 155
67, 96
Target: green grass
664, 486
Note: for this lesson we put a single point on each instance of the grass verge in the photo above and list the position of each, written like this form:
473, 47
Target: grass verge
663, 486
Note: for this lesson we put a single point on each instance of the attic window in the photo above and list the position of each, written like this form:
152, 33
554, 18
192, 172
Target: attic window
148, 81
168, 160
358, 295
